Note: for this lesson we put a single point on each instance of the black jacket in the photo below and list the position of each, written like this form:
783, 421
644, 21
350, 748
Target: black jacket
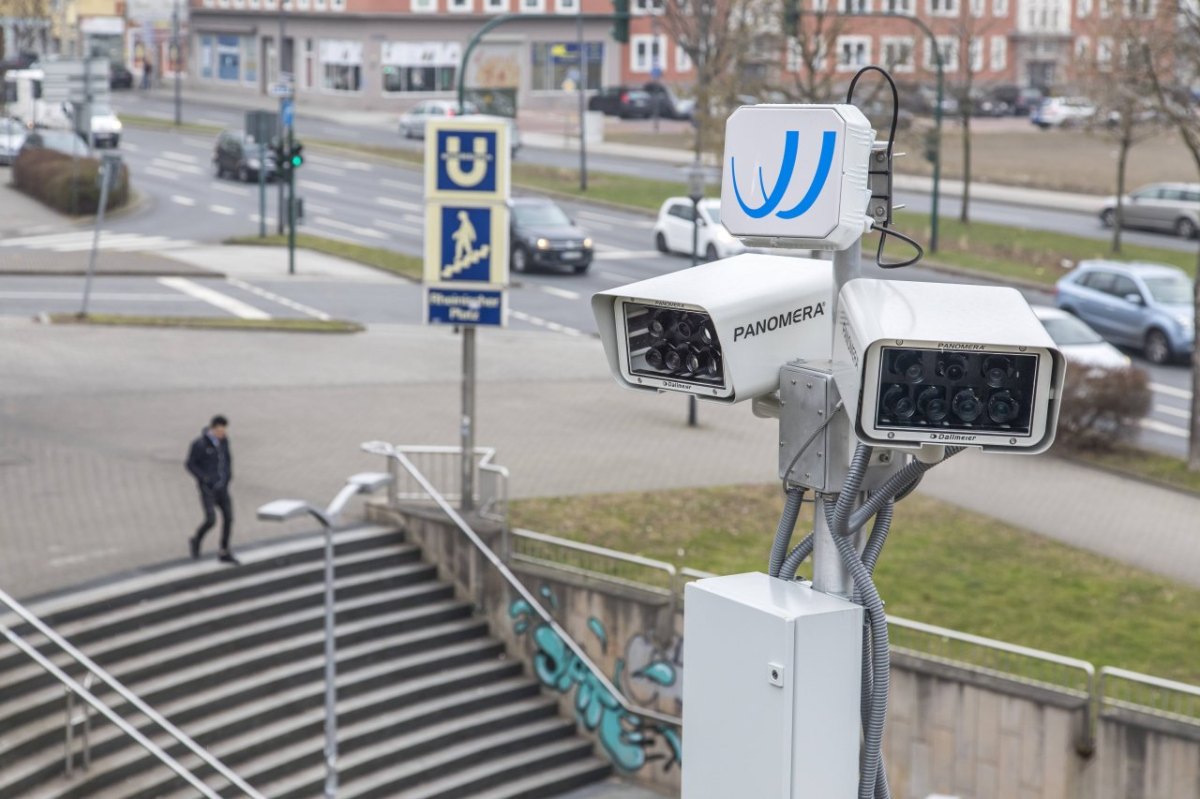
211, 464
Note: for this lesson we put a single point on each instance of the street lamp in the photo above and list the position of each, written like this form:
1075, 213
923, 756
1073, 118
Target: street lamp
280, 511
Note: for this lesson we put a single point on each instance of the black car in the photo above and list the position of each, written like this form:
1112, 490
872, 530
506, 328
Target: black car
119, 77
623, 102
543, 236
669, 106
237, 154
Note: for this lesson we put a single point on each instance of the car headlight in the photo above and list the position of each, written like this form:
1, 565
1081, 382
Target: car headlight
116, 126
543, 244
587, 244
253, 163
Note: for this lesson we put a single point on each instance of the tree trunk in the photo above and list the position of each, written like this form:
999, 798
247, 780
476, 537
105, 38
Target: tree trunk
964, 212
1118, 216
1194, 433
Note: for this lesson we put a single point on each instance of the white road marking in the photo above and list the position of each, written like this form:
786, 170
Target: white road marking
174, 156
554, 291
223, 301
1163, 427
197, 143
317, 209
416, 219
99, 296
284, 301
346, 226
82, 240
410, 230
327, 170
1178, 413
619, 276
181, 200
1171, 391
189, 169
130, 147
411, 186
223, 210
325, 188
627, 255
539, 322
236, 191
116, 241
161, 173
215, 122
403, 205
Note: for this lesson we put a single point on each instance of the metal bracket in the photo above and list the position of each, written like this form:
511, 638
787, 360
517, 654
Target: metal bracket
879, 180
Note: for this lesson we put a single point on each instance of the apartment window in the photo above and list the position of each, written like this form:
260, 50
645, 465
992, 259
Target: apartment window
318, 5
1083, 49
943, 8
341, 65
898, 53
820, 6
999, 8
647, 6
854, 6
1083, 8
999, 54
796, 55
898, 6
460, 6
683, 61
978, 8
1104, 52
1106, 9
948, 45
645, 51
419, 66
532, 6
975, 51
854, 52
424, 6
496, 6
556, 63
1139, 8
567, 6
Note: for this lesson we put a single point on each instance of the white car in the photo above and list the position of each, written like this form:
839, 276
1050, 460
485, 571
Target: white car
1063, 112
674, 229
12, 136
1078, 342
106, 128
412, 121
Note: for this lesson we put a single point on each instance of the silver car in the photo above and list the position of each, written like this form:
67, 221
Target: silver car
12, 136
1173, 207
412, 121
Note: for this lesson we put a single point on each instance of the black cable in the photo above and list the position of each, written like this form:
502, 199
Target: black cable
885, 229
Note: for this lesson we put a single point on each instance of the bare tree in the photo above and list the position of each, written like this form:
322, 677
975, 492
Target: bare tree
967, 60
1117, 77
1172, 93
807, 53
31, 19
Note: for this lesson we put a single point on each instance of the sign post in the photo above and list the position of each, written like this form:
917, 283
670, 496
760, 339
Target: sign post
466, 247
262, 126
110, 171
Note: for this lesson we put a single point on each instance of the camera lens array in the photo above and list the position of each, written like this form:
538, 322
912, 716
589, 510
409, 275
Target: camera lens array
674, 343
928, 388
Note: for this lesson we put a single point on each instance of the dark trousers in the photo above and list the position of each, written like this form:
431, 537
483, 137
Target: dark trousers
211, 499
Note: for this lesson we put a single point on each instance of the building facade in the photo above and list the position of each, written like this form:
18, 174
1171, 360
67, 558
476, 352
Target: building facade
388, 54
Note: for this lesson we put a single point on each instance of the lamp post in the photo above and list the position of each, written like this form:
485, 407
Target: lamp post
176, 65
283, 509
695, 194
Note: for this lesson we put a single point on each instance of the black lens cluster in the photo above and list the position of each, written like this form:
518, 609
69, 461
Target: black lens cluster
673, 343
926, 388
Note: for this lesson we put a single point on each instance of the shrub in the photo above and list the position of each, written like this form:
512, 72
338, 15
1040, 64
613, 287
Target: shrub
1101, 408
48, 175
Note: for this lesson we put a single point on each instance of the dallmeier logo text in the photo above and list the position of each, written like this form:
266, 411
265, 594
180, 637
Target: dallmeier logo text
770, 323
672, 384
951, 437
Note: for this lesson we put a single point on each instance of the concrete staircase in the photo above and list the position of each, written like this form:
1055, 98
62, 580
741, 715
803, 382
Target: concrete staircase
429, 706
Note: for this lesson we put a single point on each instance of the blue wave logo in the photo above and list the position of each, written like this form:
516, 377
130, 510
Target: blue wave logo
771, 200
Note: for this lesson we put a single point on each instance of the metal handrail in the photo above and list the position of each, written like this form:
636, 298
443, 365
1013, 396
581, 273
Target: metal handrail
125, 694
69, 732
389, 451
484, 463
1107, 673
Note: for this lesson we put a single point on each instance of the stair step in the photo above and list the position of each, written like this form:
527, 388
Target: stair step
550, 782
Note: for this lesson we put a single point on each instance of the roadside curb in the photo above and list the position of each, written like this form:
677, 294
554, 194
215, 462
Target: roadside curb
1150, 481
111, 273
203, 323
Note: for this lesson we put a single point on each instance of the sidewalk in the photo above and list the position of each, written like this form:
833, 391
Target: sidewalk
23, 215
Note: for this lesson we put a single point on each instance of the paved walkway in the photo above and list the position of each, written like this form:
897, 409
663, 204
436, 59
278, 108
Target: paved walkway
23, 215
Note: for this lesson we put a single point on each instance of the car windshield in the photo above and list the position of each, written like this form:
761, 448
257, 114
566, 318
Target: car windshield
713, 212
63, 142
541, 215
1170, 290
101, 110
1069, 330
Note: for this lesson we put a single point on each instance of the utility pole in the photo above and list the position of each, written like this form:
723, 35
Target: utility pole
176, 62
280, 79
582, 93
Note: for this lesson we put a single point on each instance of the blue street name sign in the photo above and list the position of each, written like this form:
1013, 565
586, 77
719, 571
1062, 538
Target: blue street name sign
462, 306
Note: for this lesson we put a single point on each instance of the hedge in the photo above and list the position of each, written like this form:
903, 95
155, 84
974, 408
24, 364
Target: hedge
46, 175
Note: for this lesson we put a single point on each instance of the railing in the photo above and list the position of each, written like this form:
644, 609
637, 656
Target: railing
1152, 696
401, 458
442, 467
84, 692
73, 721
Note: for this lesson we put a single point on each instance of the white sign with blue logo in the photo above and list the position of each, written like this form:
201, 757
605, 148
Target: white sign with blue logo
467, 159
796, 175
465, 305
466, 243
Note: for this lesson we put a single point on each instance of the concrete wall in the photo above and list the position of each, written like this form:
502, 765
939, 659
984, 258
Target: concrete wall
950, 732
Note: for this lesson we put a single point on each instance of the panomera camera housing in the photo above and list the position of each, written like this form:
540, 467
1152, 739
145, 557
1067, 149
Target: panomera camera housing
946, 364
720, 330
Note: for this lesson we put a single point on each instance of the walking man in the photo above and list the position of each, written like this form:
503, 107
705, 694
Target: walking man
211, 464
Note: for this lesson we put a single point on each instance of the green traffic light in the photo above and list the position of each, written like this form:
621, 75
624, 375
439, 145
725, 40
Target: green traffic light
297, 160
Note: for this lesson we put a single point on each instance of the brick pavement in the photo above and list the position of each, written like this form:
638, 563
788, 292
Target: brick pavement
94, 425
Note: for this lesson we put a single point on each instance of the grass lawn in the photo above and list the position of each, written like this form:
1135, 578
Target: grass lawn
210, 323
409, 266
1140, 463
157, 123
942, 565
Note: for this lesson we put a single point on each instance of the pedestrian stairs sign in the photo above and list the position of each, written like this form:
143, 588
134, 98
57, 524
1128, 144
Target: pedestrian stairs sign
466, 222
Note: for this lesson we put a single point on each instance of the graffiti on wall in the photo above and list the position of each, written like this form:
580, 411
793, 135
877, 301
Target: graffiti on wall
645, 673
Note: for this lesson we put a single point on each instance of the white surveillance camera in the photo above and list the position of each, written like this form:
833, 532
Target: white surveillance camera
946, 364
720, 330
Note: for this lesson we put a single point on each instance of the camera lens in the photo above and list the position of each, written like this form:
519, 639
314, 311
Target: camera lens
966, 405
1002, 408
701, 361
932, 404
704, 334
996, 369
909, 364
673, 359
897, 402
684, 328
659, 323
655, 358
953, 367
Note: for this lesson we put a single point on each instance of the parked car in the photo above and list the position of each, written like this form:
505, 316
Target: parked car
119, 76
64, 141
237, 154
670, 106
1078, 342
1020, 101
105, 126
12, 136
412, 121
542, 235
674, 229
1173, 207
625, 102
1148, 306
1063, 112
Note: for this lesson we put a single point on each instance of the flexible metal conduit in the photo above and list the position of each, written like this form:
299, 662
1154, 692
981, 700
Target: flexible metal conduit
389, 451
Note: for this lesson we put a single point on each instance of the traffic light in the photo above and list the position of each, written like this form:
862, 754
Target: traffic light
791, 17
296, 156
278, 154
620, 28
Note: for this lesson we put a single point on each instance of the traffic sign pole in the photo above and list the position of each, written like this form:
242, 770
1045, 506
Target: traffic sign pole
262, 189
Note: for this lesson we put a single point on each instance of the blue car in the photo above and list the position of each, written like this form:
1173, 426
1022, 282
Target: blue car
1147, 306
